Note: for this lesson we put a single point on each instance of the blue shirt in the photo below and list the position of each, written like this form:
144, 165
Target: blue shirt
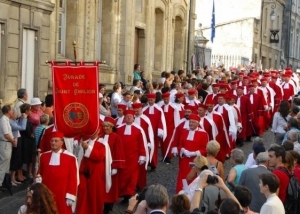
37, 133
18, 125
136, 75
239, 169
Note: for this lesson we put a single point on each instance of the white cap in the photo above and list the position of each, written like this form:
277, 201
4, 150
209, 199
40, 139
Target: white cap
35, 101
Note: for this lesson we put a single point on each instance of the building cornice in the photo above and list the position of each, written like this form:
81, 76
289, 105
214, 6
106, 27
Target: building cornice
43, 5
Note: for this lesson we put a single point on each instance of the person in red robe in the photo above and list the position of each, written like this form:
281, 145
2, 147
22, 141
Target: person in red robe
136, 153
91, 188
287, 87
179, 99
191, 99
213, 96
241, 77
184, 124
192, 143
246, 111
278, 92
268, 94
172, 117
144, 122
293, 79
158, 122
222, 136
257, 104
59, 172
227, 113
231, 100
120, 111
117, 162
233, 87
206, 123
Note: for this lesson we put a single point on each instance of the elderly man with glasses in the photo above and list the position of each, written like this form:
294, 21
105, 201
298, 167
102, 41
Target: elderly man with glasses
58, 169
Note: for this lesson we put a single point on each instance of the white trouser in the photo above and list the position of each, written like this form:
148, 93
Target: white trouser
5, 156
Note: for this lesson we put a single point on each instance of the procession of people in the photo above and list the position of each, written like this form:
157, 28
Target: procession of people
211, 115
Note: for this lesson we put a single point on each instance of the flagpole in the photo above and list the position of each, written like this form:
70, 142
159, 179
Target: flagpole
213, 24
75, 54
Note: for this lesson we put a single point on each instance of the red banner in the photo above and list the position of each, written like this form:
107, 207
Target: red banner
76, 99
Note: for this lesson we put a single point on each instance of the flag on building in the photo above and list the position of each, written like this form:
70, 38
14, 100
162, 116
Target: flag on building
213, 30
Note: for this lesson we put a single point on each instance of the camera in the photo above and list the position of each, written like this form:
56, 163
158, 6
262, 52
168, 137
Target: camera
212, 179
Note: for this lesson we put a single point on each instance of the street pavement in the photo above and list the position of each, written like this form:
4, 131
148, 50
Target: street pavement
164, 174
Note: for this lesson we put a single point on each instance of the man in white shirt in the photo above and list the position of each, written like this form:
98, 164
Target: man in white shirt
269, 185
7, 141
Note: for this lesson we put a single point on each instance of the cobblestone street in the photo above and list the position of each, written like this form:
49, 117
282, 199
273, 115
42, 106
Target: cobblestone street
165, 174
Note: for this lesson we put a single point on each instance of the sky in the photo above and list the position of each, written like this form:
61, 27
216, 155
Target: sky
226, 10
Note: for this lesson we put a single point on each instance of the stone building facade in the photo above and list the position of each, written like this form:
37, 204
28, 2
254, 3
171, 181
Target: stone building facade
152, 33
291, 34
24, 44
244, 36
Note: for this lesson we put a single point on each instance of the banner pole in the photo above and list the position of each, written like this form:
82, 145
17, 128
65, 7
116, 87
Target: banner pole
75, 55
85, 62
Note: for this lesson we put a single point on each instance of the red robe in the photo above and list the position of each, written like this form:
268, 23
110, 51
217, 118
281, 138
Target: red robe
120, 121
209, 126
135, 144
158, 122
227, 114
268, 94
288, 91
144, 122
222, 136
172, 120
118, 163
232, 91
91, 190
257, 104
184, 124
197, 143
278, 94
188, 101
246, 111
211, 97
180, 108
61, 177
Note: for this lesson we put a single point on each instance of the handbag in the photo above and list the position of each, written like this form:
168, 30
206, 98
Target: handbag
7, 182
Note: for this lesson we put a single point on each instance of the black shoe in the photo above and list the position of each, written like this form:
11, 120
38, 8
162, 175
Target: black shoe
167, 160
126, 199
153, 169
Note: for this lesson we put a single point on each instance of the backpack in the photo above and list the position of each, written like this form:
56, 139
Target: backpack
292, 201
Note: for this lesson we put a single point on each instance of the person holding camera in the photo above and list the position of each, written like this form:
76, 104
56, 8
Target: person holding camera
228, 206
